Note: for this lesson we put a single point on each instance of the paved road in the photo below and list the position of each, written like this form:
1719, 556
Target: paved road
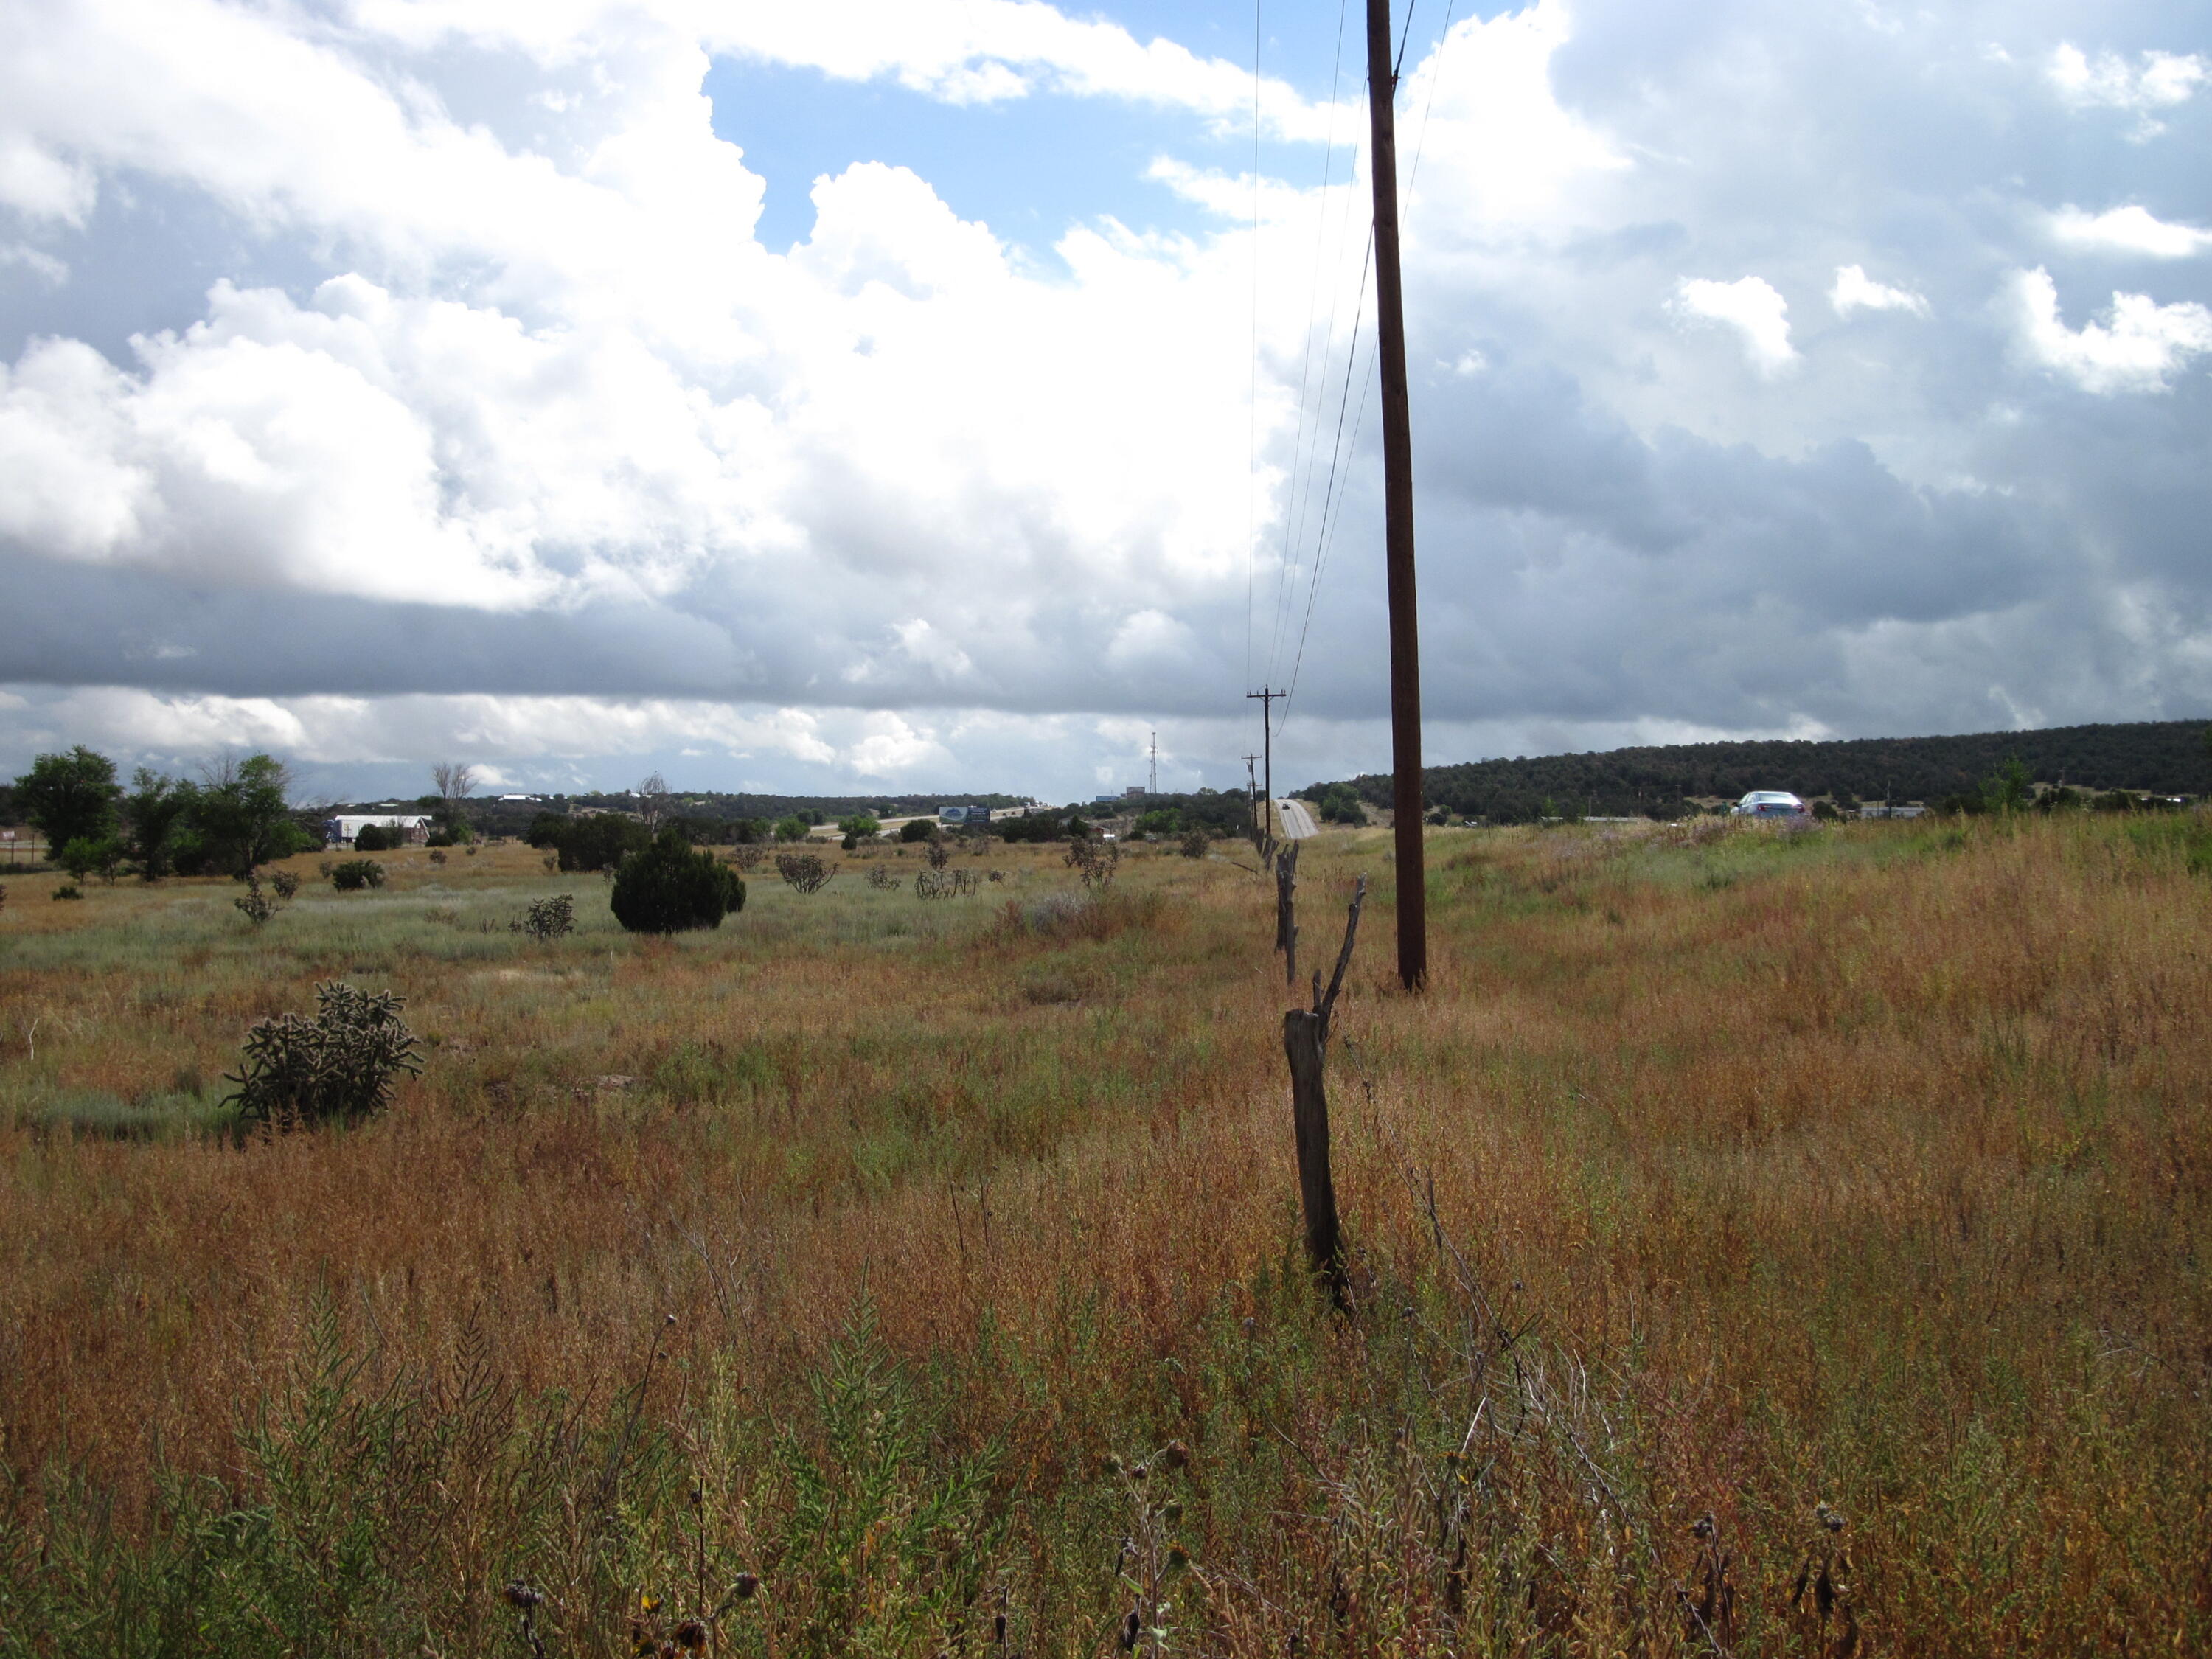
1297, 824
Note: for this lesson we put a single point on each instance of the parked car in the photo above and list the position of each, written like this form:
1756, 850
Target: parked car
1772, 804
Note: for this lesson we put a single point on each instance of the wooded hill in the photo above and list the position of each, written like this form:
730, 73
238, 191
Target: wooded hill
2169, 757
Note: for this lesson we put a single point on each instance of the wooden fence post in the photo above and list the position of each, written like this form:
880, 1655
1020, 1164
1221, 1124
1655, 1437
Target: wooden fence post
1305, 1045
1286, 912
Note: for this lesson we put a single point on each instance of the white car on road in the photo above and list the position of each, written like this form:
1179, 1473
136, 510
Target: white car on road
1772, 804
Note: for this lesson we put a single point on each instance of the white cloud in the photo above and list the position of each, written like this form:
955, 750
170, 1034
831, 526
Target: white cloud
2156, 80
507, 406
1496, 146
963, 51
41, 184
1855, 290
1752, 308
2141, 349
2128, 230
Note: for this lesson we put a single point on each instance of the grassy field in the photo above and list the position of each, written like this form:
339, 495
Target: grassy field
1764, 1243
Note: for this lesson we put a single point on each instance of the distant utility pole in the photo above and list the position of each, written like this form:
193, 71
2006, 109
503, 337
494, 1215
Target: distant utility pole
1397, 510
1267, 695
1252, 794
1153, 789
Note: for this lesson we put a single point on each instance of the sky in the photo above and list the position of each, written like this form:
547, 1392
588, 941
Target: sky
884, 396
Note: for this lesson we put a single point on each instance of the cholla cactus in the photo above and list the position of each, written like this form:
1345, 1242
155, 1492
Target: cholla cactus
298, 1072
548, 918
257, 906
881, 880
804, 871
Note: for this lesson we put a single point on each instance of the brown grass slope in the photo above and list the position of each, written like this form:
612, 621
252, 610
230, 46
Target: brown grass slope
1765, 1244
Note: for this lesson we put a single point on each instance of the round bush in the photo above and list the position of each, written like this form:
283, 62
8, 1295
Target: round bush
668, 887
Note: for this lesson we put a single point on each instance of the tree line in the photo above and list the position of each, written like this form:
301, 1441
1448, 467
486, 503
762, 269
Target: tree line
2163, 756
232, 816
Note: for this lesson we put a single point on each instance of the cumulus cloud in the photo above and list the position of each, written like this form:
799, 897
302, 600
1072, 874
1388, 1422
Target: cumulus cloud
1752, 307
1855, 290
2132, 230
398, 380
2141, 349
2156, 80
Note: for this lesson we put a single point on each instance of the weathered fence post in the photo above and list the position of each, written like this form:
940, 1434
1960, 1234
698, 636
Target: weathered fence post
1286, 911
1305, 1045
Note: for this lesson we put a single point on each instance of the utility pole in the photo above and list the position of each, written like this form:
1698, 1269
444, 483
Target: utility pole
1153, 787
1397, 510
1252, 795
1267, 695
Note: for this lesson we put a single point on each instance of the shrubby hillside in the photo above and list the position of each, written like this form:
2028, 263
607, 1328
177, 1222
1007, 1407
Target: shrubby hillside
2166, 756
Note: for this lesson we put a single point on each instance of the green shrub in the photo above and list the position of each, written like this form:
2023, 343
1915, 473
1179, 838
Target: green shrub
354, 874
375, 838
917, 830
338, 1064
598, 841
667, 888
67, 892
1340, 804
87, 854
791, 828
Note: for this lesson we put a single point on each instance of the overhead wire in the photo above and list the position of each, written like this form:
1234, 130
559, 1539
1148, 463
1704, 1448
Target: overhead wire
1296, 501
1252, 394
1326, 537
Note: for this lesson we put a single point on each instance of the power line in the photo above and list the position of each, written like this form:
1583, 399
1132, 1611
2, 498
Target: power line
1252, 393
1293, 507
1327, 537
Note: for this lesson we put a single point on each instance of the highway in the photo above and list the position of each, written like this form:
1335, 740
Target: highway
1297, 823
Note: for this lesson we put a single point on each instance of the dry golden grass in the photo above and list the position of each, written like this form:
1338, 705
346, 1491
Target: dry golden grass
1867, 1169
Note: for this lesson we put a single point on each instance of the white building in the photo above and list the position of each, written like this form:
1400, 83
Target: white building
346, 828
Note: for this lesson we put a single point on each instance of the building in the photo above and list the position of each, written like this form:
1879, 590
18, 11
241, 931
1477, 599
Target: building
346, 826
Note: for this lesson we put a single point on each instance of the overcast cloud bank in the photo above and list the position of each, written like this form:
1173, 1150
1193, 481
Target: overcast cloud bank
1777, 370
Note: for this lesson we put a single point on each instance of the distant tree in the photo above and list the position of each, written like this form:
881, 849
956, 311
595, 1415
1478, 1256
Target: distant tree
243, 814
86, 854
794, 828
1340, 804
598, 841
156, 808
70, 796
652, 794
2009, 789
667, 887
916, 829
860, 826
375, 838
455, 783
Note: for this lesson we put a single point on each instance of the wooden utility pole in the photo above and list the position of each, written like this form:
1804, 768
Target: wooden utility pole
1398, 511
1267, 695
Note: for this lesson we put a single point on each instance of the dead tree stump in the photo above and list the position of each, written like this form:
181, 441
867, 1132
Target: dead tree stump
1286, 911
1305, 1045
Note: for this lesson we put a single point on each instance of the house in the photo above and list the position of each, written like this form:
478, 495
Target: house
347, 826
